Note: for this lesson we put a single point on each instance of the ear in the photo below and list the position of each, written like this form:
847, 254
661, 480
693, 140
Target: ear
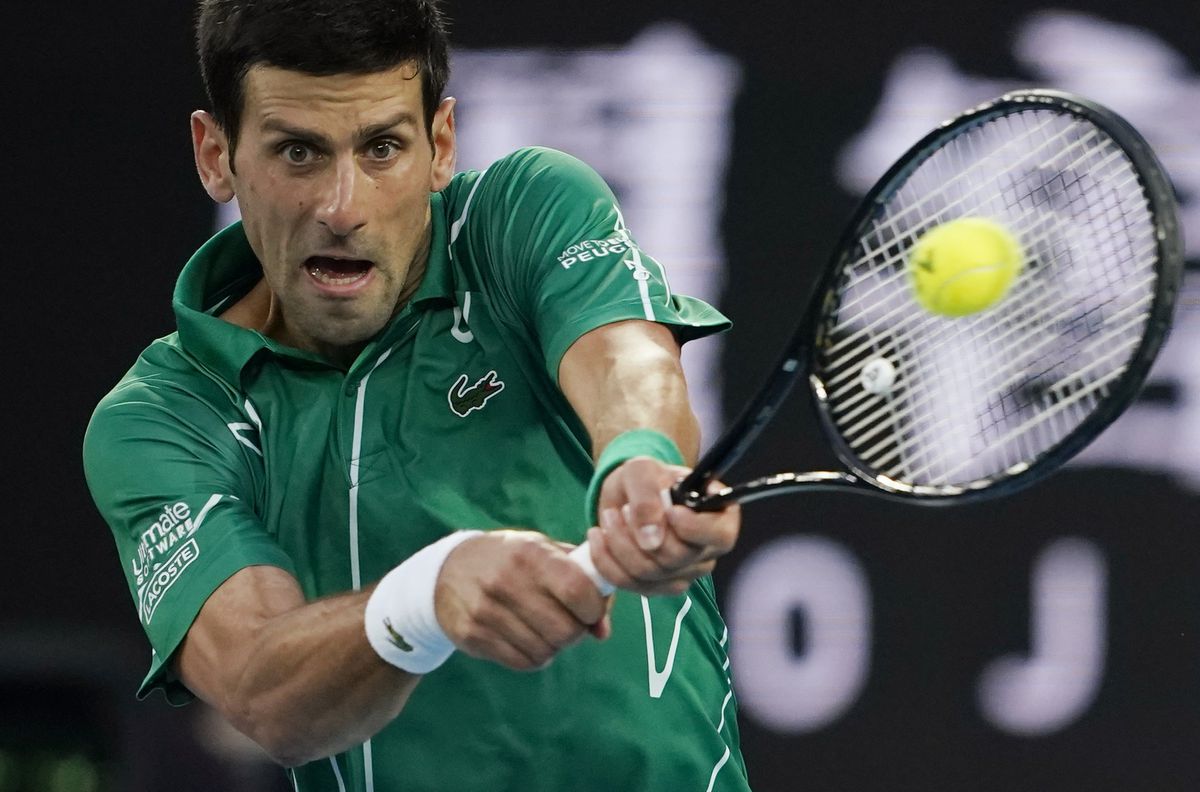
445, 145
211, 149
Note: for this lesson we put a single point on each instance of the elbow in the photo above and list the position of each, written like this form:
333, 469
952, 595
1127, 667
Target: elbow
288, 753
284, 740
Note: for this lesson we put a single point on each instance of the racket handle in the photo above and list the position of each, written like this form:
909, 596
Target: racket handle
582, 555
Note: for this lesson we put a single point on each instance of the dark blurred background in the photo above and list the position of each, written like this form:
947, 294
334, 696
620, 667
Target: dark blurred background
1044, 642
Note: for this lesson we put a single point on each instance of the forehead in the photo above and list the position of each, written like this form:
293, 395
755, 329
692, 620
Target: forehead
281, 95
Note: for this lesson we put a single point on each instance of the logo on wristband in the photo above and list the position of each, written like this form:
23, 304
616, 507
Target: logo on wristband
395, 638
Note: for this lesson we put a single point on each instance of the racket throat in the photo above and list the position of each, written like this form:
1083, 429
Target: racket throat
777, 484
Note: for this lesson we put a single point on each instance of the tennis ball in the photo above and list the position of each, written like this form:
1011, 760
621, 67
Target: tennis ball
964, 266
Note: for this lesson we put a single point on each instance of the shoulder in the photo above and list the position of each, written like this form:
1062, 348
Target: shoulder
535, 161
529, 201
525, 173
165, 393
165, 374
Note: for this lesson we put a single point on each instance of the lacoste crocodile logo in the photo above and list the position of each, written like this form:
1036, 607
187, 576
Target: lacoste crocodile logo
395, 638
464, 400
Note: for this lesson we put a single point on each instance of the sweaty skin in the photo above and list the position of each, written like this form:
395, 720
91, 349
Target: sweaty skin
331, 172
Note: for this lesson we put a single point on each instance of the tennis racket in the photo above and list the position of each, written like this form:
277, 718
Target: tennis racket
932, 409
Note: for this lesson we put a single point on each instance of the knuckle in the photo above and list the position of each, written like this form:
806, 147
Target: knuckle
539, 657
527, 554
577, 589
640, 464
494, 586
519, 662
473, 639
645, 512
728, 537
640, 567
483, 612
561, 635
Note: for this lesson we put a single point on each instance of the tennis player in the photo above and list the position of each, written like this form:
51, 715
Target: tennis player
344, 490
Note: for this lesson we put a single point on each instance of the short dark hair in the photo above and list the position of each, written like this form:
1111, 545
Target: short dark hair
317, 37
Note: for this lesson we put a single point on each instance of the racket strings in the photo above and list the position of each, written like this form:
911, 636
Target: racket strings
1035, 370
912, 204
1074, 398
883, 288
1010, 338
1034, 359
902, 312
1038, 367
980, 396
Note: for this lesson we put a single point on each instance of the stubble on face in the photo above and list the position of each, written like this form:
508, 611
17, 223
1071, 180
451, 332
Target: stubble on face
333, 178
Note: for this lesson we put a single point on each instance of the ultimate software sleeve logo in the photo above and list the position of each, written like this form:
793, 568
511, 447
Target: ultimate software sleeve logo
464, 400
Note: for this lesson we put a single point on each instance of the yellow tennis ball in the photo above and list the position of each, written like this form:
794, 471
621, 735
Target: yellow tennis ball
964, 266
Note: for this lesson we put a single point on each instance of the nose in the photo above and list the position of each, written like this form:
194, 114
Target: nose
341, 210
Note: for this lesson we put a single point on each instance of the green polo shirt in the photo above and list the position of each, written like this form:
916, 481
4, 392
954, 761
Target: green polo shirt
222, 449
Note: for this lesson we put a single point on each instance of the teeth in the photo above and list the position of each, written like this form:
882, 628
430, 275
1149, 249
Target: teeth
336, 280
336, 276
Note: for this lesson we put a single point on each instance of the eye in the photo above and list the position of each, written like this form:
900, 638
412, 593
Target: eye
298, 153
383, 149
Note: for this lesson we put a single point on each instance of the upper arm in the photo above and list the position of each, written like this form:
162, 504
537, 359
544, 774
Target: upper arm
177, 489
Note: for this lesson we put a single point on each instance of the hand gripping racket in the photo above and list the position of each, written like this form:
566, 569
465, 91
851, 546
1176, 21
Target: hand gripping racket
934, 409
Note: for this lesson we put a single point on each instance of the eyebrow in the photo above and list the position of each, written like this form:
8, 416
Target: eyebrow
403, 118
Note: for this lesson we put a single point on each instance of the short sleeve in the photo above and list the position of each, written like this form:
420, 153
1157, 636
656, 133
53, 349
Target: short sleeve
561, 255
177, 488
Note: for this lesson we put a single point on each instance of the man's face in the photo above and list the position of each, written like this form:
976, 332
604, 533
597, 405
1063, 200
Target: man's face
333, 177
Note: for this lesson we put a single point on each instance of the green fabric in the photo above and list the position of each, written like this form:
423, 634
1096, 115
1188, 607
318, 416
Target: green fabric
622, 448
251, 447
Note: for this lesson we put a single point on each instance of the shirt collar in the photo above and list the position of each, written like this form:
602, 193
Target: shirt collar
438, 281
225, 268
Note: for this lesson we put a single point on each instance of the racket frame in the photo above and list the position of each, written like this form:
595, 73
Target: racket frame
808, 336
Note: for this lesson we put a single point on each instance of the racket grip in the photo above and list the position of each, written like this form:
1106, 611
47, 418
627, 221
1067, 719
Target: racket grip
582, 555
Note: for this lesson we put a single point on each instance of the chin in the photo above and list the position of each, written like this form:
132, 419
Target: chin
348, 333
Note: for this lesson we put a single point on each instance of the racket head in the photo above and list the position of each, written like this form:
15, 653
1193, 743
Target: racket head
1065, 191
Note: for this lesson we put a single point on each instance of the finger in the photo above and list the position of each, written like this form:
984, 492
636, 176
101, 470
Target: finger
670, 582
573, 590
605, 563
713, 534
636, 488
559, 612
569, 598
636, 563
644, 507
648, 534
494, 633
602, 629
546, 592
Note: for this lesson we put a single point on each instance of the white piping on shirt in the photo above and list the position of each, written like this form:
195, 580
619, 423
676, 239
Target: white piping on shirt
355, 568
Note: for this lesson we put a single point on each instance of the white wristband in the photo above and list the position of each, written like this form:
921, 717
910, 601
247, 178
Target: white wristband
400, 620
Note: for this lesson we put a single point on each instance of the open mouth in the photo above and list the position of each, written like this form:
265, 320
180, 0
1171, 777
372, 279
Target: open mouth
337, 272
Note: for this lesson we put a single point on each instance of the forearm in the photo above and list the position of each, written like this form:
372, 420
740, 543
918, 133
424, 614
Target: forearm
628, 376
308, 685
314, 679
